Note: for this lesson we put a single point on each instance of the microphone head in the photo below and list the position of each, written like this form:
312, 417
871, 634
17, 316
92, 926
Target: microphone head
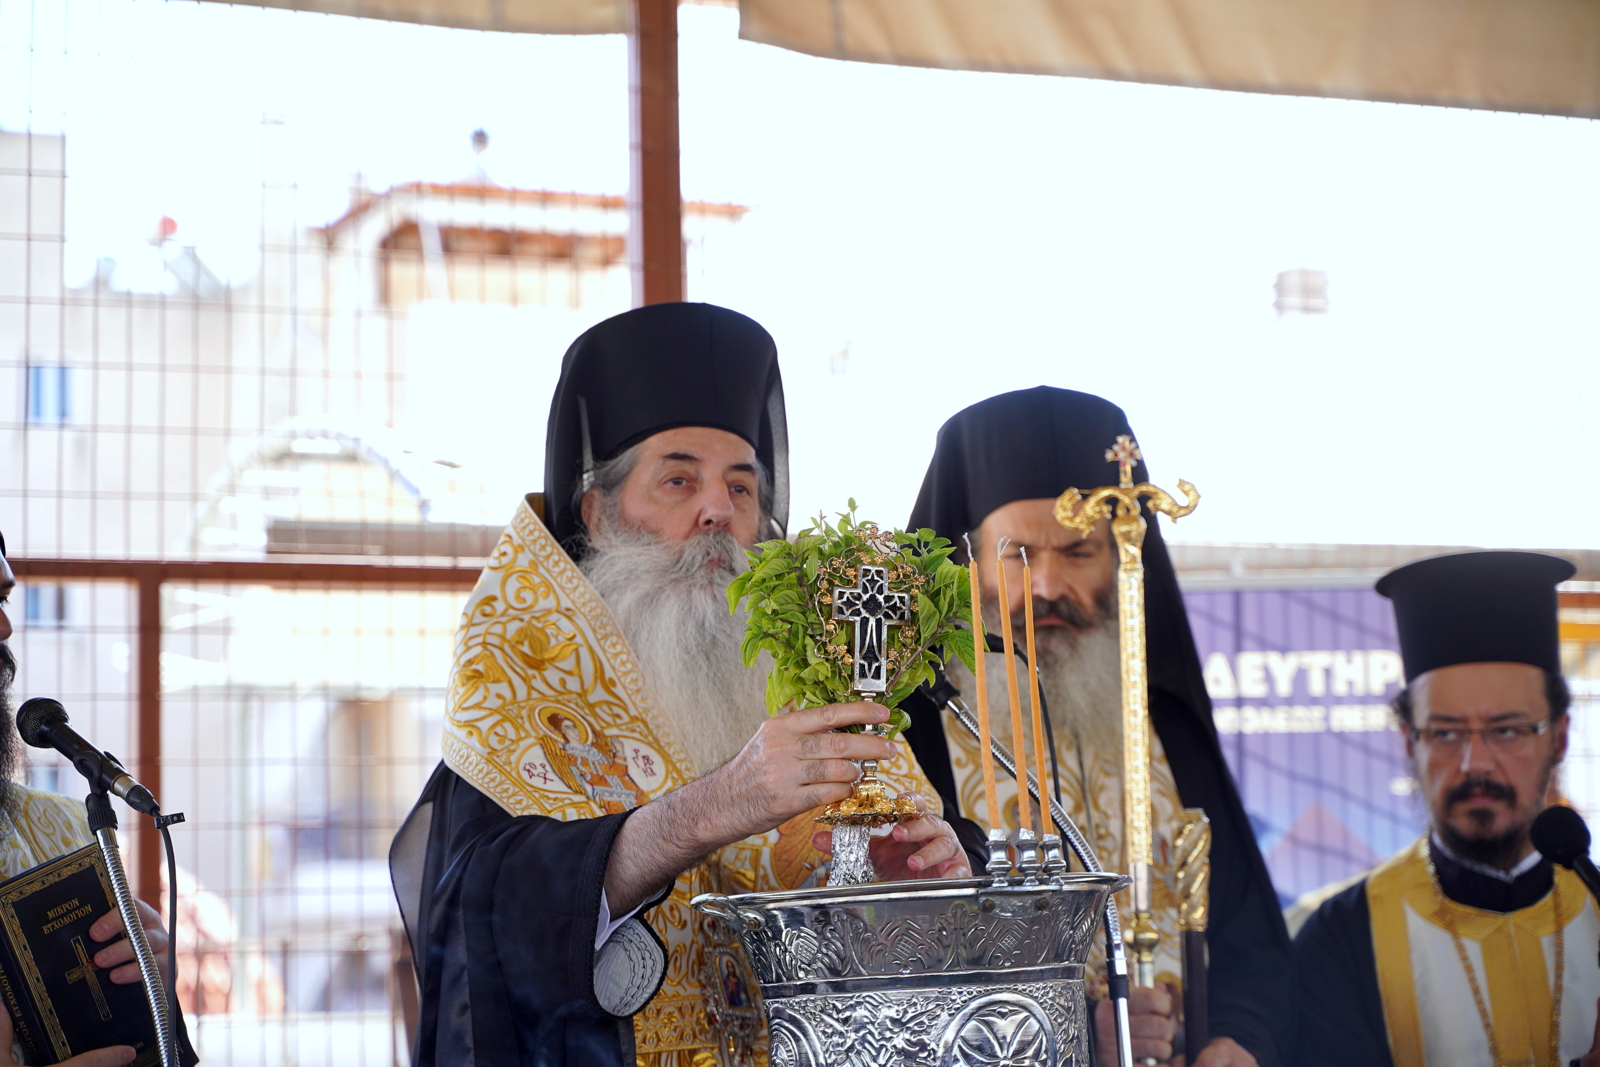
1561, 835
37, 714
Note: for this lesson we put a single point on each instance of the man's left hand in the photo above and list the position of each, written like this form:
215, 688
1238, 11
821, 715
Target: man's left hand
118, 958
1224, 1052
917, 848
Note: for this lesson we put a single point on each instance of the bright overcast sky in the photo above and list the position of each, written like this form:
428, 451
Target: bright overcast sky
959, 235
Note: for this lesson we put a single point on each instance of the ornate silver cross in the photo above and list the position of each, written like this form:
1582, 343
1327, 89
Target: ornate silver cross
873, 609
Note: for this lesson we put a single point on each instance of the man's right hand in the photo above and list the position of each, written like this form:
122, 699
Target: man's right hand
793, 764
115, 1056
1150, 1021
1592, 1057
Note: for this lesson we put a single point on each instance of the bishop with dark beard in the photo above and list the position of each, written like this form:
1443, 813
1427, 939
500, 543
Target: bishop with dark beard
607, 755
996, 473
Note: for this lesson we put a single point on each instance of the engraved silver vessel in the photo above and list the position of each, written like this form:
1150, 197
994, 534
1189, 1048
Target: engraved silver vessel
956, 972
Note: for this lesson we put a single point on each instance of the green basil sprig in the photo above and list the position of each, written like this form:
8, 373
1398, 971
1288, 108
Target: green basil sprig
788, 592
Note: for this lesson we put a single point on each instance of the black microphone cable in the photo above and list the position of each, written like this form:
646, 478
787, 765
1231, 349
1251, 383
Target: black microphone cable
162, 822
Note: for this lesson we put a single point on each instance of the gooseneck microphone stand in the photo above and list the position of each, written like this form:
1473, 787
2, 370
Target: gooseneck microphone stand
103, 824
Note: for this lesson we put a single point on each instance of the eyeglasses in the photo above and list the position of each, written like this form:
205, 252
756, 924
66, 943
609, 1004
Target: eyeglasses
1510, 738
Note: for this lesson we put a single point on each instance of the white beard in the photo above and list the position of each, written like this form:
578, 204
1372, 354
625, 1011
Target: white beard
670, 601
1081, 675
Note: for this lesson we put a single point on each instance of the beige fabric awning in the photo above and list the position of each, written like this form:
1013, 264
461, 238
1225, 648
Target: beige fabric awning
510, 16
1538, 56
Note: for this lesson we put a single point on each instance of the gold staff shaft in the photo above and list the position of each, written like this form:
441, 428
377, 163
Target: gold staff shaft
1139, 834
1121, 505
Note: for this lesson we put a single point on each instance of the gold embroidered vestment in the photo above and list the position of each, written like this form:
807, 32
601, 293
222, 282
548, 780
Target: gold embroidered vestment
548, 714
1428, 1003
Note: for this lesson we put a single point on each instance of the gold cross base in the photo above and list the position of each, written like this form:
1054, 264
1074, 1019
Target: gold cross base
869, 804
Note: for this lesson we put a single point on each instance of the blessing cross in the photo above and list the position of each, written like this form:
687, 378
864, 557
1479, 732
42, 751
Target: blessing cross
1125, 453
85, 972
873, 609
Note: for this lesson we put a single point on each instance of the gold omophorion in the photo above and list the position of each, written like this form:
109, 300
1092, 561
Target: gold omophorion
1120, 504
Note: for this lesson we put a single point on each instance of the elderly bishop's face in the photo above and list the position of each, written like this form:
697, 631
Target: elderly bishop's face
689, 481
665, 543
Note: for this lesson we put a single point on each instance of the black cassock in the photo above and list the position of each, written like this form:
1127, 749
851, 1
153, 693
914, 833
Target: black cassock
502, 912
1337, 968
1032, 444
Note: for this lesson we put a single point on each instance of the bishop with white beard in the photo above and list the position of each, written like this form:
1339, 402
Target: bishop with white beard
996, 473
607, 756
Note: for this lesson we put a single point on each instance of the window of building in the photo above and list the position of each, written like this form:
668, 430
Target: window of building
45, 605
50, 395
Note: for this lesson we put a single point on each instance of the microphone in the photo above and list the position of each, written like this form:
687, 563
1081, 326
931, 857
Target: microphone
42, 722
1560, 834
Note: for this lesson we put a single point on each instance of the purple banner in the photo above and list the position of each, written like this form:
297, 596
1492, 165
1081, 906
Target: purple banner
1300, 681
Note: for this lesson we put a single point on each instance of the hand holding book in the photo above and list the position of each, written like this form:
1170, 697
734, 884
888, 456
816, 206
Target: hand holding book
115, 1056
72, 992
118, 957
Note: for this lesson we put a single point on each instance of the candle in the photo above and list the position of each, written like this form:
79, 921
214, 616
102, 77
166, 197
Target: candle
991, 794
1038, 718
1018, 748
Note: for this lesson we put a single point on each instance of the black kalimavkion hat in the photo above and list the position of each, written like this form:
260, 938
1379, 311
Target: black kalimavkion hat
1478, 607
657, 368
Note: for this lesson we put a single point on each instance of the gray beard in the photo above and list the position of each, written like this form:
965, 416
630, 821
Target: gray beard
670, 599
1081, 675
1082, 683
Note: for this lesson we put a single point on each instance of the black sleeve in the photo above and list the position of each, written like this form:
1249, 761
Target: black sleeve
1250, 974
507, 967
1341, 1016
925, 737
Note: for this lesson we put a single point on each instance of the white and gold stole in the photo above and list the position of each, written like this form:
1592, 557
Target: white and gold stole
1091, 792
37, 827
548, 714
1428, 1002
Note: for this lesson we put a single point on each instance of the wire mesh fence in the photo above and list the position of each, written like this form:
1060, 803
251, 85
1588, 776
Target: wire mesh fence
290, 403
337, 350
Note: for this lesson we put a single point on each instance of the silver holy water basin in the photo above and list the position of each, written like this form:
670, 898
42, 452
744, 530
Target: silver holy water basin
952, 972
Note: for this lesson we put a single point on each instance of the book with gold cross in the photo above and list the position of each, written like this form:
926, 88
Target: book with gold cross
61, 1004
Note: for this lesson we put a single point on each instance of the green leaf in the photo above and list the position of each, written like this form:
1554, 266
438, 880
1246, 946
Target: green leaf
928, 618
736, 590
958, 643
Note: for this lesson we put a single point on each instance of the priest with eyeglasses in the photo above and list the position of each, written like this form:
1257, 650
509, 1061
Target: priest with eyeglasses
1468, 948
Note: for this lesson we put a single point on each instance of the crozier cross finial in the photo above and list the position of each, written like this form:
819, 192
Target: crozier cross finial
1125, 453
873, 609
